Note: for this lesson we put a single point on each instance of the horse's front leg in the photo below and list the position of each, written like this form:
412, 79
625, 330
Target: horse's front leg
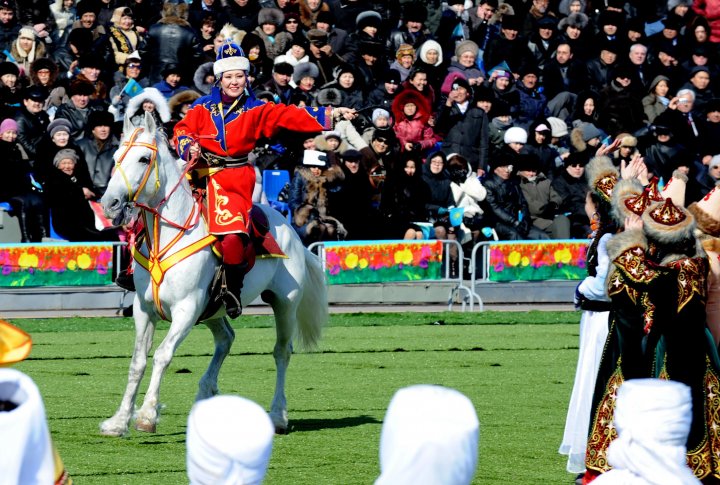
182, 322
224, 335
285, 322
144, 330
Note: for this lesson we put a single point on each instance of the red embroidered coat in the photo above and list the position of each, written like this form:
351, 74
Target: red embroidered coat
231, 132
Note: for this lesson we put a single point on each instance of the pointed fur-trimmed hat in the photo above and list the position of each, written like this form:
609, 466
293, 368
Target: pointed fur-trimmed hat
628, 198
230, 57
653, 190
602, 177
668, 223
707, 212
675, 188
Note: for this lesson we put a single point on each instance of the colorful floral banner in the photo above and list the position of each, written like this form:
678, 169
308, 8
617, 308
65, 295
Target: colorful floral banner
68, 264
537, 261
378, 262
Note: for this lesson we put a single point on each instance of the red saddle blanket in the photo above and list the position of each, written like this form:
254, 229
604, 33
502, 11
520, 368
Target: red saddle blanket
263, 244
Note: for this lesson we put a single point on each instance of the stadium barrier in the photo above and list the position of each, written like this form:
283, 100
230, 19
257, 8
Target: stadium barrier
388, 261
540, 260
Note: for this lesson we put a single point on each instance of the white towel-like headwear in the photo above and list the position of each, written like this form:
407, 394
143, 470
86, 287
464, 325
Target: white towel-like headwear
652, 418
25, 449
430, 436
229, 441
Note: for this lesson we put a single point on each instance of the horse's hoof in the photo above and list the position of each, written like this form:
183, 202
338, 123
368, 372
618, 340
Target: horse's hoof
281, 430
107, 429
145, 426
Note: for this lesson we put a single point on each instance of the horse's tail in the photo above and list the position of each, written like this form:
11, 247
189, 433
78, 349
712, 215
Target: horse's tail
312, 314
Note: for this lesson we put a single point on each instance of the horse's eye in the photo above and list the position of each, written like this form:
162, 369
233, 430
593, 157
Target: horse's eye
145, 160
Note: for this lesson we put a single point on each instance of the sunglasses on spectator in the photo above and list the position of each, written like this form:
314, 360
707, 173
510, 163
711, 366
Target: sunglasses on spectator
576, 165
134, 66
381, 140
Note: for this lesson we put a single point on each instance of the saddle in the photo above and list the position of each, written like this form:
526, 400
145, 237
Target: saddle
262, 245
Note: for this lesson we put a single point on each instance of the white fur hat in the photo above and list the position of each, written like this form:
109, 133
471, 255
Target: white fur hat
515, 134
230, 57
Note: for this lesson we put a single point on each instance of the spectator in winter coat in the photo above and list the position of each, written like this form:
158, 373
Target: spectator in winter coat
620, 109
9, 26
465, 62
509, 47
404, 198
352, 203
543, 200
469, 194
411, 113
465, 127
657, 99
505, 205
99, 148
573, 188
32, 120
383, 94
533, 103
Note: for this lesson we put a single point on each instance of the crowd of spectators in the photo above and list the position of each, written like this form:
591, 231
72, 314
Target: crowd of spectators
494, 107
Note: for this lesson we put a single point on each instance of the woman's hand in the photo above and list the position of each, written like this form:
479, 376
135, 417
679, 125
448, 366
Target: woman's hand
605, 150
89, 194
194, 150
633, 222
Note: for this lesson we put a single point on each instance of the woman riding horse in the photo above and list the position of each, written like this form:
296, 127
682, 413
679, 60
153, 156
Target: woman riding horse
221, 129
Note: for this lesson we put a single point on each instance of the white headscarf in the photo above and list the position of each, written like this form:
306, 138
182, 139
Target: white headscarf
25, 450
229, 441
652, 418
430, 436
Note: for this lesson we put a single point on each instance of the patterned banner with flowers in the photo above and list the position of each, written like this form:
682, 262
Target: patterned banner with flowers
378, 262
537, 261
67, 264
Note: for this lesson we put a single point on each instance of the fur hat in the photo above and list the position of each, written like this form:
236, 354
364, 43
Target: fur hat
317, 37
305, 69
200, 77
379, 113
707, 212
578, 20
368, 18
675, 188
429, 45
558, 127
271, 16
100, 118
504, 157
8, 67
628, 197
627, 141
230, 57
602, 176
466, 46
329, 97
414, 12
86, 6
182, 98
515, 134
81, 87
405, 50
668, 223
150, 94
676, 3
119, 13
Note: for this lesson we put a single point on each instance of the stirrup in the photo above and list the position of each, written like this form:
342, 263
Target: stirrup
233, 306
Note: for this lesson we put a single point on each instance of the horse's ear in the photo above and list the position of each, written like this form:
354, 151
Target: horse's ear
127, 126
149, 122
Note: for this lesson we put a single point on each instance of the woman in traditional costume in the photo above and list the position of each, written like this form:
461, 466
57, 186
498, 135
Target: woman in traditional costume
221, 129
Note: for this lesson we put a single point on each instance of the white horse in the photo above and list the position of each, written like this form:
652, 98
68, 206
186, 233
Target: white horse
148, 176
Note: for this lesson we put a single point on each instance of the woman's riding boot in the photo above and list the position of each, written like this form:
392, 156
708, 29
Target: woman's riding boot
234, 276
40, 221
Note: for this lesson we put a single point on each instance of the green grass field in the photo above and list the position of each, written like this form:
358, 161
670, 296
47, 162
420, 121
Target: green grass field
517, 368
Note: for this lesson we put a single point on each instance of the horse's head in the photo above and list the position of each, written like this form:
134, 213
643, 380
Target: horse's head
136, 177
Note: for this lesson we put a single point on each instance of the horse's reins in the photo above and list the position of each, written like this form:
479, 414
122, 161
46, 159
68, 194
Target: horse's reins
154, 263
